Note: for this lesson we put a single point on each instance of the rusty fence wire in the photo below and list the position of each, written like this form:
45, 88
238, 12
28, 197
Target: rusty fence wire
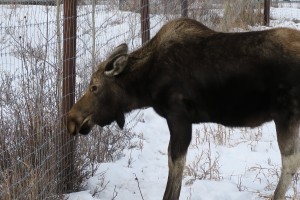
31, 76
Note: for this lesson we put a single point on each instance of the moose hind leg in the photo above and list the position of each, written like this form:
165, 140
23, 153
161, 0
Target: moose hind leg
179, 142
288, 137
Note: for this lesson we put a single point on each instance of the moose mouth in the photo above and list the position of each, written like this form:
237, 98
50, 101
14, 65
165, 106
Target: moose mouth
86, 126
88, 123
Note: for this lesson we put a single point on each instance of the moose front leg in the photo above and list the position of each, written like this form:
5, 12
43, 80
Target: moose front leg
179, 141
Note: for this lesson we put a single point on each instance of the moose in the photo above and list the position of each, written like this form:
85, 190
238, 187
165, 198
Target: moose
191, 74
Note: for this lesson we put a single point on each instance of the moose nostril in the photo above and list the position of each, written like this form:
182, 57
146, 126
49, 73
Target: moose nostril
93, 88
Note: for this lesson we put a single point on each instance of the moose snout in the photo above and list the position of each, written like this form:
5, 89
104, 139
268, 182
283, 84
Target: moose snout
72, 126
78, 124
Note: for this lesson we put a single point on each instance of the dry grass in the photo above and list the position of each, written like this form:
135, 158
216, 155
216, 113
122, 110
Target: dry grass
204, 167
227, 15
241, 14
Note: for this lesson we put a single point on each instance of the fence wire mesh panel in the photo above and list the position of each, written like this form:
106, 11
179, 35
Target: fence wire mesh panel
31, 83
30, 101
289, 9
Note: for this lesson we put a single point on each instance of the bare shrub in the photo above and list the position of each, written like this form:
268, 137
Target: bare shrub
104, 144
213, 133
241, 14
206, 12
29, 118
239, 185
269, 174
131, 5
204, 167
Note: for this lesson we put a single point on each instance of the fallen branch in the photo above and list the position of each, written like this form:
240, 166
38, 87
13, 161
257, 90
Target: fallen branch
137, 180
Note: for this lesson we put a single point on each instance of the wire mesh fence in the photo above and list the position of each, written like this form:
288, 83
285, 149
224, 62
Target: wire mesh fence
30, 121
32, 144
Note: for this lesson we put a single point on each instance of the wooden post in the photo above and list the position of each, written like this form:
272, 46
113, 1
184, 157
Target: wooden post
267, 5
184, 8
145, 21
69, 59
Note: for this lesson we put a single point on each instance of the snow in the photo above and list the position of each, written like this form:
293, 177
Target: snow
246, 161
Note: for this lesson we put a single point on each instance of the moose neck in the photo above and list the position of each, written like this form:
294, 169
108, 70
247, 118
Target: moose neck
135, 80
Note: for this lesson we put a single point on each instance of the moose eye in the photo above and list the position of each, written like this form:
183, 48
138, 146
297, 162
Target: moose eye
93, 88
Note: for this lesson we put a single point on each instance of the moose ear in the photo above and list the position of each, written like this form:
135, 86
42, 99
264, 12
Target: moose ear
121, 49
116, 66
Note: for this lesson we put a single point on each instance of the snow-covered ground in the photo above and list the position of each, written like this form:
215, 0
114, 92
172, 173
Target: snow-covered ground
222, 163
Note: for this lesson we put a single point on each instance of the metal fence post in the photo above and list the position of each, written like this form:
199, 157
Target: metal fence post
184, 8
145, 21
69, 58
122, 4
267, 5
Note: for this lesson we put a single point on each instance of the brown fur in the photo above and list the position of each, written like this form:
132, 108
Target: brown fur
191, 74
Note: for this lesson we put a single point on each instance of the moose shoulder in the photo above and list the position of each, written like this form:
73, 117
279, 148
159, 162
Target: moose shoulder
190, 74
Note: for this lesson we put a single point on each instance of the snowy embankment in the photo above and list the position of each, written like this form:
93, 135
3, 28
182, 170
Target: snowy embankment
222, 163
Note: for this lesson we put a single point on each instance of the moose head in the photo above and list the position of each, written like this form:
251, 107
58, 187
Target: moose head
102, 90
